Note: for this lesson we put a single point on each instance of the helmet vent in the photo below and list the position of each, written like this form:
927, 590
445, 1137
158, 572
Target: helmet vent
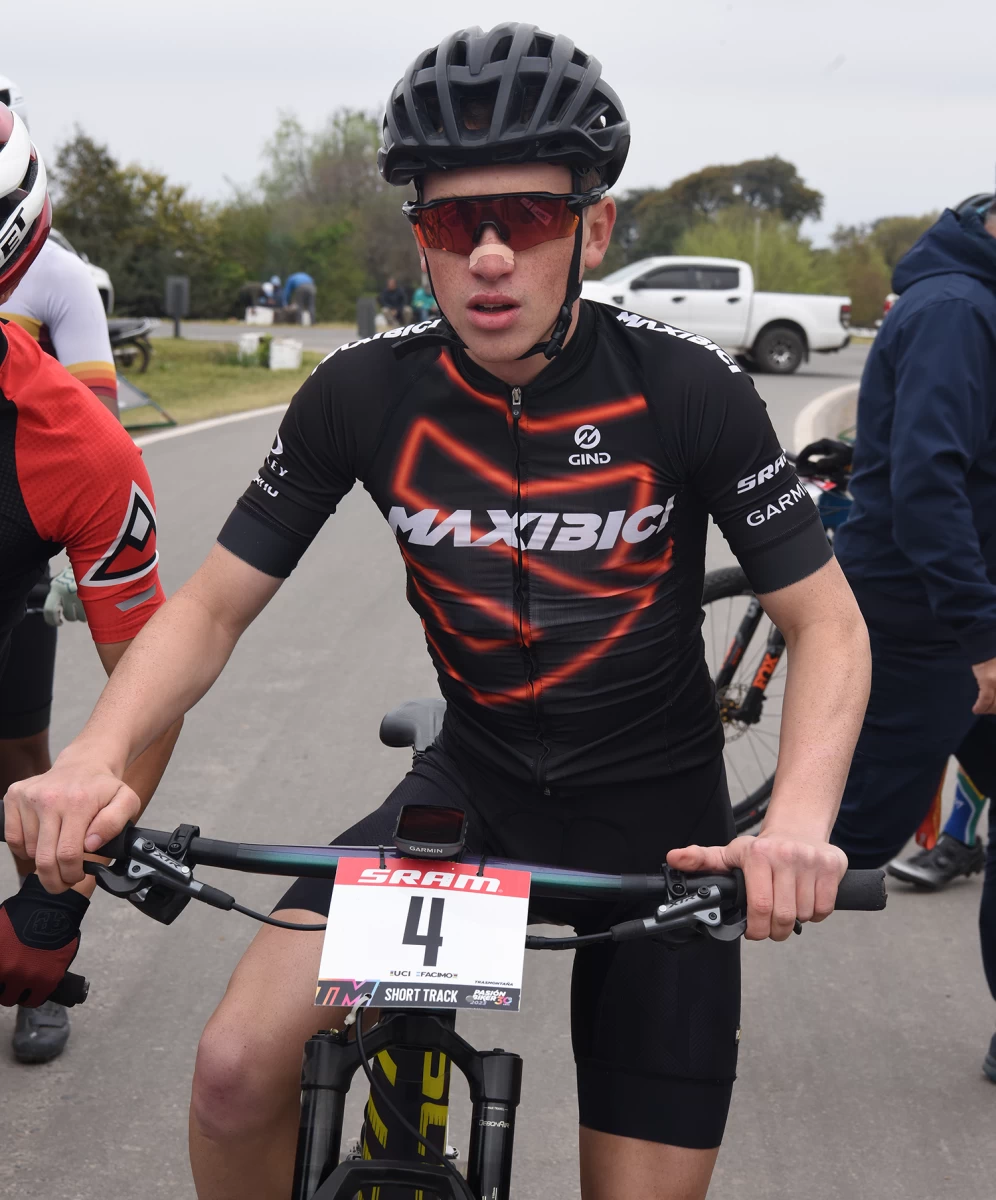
541, 47
580, 59
565, 94
458, 55
500, 52
477, 106
401, 117
5, 96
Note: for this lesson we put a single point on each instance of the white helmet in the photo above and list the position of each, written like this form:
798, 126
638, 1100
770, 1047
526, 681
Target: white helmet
13, 97
25, 209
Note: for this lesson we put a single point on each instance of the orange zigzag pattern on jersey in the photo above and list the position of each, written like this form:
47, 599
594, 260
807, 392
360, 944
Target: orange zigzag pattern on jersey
424, 431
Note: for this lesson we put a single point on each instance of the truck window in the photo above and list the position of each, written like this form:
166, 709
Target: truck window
666, 277
717, 279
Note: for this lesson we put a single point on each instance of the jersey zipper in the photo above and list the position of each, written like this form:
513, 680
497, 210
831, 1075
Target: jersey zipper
519, 593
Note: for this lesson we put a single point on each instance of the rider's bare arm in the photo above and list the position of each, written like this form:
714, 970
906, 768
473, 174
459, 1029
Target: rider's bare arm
792, 872
142, 777
95, 784
829, 675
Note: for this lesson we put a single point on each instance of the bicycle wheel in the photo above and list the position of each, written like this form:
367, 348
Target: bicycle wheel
739, 643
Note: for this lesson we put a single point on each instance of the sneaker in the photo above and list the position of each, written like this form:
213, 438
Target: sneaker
934, 869
989, 1066
40, 1033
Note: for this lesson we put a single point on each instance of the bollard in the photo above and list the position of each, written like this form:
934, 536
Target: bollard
366, 311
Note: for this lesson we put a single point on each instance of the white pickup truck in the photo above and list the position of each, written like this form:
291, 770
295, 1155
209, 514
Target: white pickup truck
715, 297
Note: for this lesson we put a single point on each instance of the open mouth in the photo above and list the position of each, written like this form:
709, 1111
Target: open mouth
493, 308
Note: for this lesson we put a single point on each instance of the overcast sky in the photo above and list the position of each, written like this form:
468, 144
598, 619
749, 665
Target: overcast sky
886, 106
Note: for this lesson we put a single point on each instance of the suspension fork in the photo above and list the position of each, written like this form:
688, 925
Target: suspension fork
331, 1060
750, 711
738, 647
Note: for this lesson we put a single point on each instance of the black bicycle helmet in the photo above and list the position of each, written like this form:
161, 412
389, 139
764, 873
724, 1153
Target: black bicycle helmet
547, 103
513, 95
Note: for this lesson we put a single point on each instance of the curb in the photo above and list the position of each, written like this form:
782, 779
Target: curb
828, 415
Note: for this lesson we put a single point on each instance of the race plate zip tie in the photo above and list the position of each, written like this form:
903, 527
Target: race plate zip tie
354, 1012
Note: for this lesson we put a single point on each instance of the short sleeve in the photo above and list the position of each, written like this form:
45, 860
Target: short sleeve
308, 469
86, 488
77, 324
743, 476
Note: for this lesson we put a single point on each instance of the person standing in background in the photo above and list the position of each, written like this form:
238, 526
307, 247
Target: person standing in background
919, 545
393, 298
300, 290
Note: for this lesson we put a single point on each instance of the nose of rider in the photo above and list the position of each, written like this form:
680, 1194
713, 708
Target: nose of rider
491, 258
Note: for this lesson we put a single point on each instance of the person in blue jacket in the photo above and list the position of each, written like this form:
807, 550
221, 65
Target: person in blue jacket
300, 290
919, 546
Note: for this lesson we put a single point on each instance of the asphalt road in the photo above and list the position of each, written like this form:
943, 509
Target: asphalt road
862, 1039
314, 337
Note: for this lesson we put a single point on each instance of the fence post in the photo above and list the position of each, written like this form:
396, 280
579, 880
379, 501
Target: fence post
366, 311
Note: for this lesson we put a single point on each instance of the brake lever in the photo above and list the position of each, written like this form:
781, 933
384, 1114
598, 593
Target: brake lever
159, 885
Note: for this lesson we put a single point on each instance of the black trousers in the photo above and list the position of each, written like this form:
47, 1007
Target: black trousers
919, 715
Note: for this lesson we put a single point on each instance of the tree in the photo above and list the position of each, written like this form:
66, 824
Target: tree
864, 273
782, 259
326, 191
894, 236
653, 221
138, 226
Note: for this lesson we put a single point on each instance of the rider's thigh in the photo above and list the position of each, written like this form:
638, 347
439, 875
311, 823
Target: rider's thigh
249, 1058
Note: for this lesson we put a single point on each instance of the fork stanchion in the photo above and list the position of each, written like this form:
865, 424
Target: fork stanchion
489, 1167
323, 1103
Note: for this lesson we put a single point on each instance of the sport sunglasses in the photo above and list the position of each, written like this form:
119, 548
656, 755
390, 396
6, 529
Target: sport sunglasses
521, 219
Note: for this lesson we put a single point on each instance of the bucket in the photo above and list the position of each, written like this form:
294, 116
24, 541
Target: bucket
259, 316
249, 346
285, 354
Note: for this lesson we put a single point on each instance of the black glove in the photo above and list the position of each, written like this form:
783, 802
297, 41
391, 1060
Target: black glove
39, 937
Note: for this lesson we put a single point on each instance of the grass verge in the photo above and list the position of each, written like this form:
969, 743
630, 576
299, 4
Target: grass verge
196, 380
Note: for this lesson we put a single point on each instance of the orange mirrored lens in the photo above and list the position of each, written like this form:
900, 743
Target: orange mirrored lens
520, 221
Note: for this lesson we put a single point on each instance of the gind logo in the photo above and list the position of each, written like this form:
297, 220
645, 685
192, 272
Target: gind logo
587, 437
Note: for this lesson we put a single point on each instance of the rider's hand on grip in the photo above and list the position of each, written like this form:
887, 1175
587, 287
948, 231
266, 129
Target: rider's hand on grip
39, 938
55, 817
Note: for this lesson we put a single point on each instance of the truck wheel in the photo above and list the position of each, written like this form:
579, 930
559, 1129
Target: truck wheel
778, 351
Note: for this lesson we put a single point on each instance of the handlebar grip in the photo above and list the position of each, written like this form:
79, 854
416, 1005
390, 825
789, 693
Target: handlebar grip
72, 990
861, 891
115, 848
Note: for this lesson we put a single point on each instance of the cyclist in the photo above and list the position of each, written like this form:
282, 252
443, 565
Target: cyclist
72, 478
57, 303
919, 544
547, 466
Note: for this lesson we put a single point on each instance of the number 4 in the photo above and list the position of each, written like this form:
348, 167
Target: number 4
432, 938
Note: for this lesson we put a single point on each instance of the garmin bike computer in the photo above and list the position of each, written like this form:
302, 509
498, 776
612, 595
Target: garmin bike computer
430, 831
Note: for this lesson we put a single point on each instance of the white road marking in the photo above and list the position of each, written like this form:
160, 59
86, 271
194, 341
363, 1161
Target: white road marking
214, 422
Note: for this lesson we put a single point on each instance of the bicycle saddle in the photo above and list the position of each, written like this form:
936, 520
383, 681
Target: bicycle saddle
415, 723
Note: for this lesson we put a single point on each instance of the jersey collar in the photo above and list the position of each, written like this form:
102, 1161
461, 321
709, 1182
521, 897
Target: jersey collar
572, 359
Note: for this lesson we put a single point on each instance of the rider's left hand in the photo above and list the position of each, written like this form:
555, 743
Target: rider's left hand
789, 877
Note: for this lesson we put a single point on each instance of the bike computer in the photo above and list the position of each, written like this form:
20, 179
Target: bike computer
430, 831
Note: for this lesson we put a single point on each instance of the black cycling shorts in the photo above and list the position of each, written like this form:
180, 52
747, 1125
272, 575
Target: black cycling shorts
654, 1028
27, 676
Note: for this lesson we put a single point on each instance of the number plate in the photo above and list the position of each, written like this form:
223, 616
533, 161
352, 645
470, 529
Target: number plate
423, 934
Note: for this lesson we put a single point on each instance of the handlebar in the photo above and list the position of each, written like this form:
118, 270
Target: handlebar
144, 857
858, 891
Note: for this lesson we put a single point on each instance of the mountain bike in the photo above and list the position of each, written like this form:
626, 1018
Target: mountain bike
745, 651
403, 1150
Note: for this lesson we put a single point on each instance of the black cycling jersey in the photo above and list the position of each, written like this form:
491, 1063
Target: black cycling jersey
554, 535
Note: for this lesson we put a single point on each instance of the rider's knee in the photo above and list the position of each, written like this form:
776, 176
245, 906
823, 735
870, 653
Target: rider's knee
234, 1095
